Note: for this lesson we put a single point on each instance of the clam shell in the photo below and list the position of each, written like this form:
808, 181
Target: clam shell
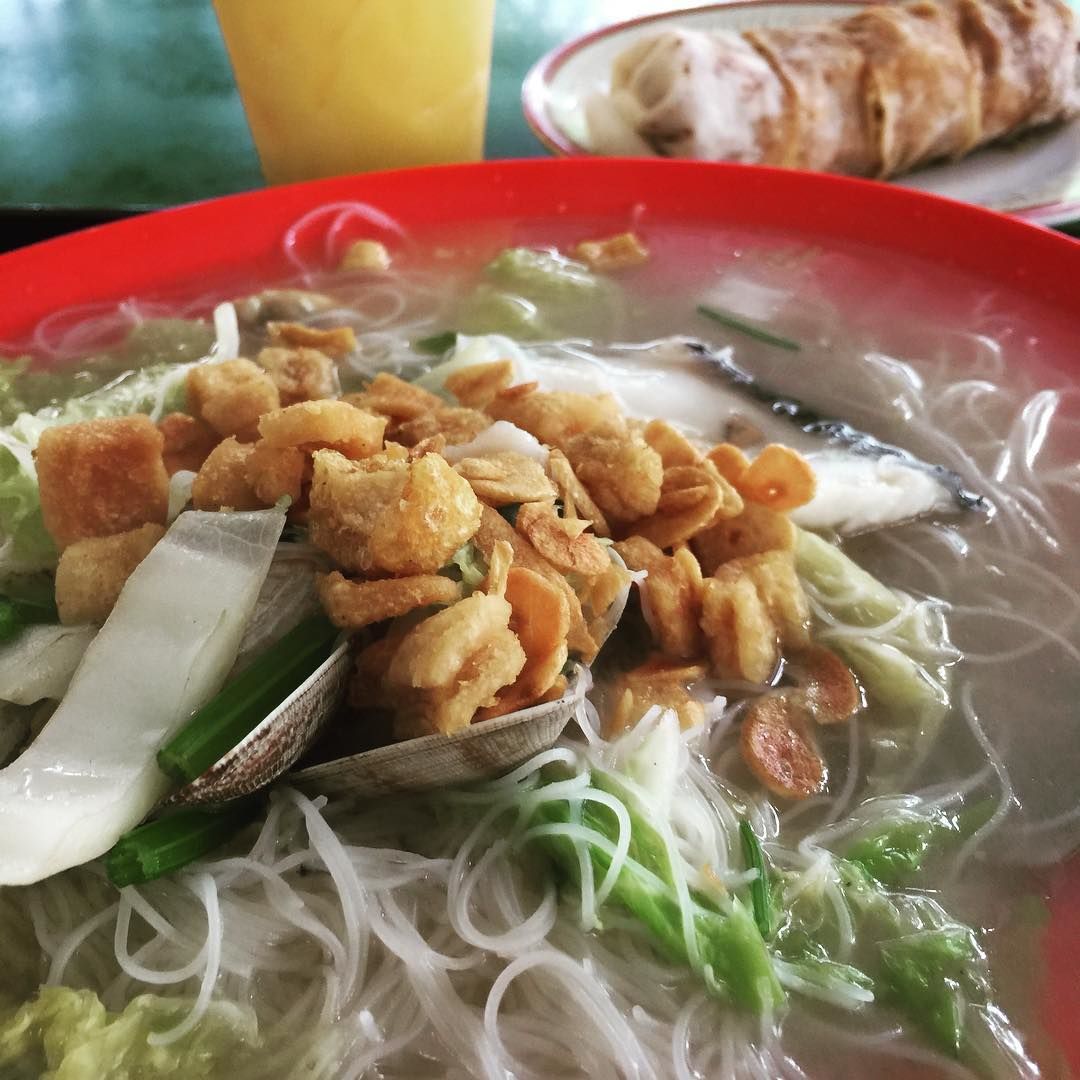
278, 741
483, 750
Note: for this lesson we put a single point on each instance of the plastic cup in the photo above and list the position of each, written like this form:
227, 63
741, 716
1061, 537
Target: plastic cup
332, 87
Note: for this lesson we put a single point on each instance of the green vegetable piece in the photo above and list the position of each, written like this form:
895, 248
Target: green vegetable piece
894, 855
930, 975
831, 975
530, 294
734, 962
171, 843
490, 310
35, 605
435, 345
33, 597
11, 401
468, 566
543, 276
907, 679
733, 322
167, 341
67, 1034
10, 620
759, 887
246, 701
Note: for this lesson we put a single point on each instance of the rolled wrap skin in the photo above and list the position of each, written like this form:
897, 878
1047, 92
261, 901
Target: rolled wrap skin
875, 94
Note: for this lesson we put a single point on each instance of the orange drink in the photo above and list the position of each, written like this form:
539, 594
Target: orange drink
341, 86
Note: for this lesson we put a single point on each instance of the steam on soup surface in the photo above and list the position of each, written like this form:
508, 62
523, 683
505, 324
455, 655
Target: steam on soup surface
652, 896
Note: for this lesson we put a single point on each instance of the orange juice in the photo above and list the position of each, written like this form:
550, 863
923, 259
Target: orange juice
341, 86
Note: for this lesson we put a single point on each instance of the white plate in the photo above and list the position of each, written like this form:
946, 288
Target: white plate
1037, 177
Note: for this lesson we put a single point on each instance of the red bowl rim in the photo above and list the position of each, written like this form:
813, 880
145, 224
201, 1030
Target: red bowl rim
556, 141
151, 252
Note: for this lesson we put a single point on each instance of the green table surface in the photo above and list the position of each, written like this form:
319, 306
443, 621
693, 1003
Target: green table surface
131, 103
109, 106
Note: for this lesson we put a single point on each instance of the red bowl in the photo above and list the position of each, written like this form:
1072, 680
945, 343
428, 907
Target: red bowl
213, 245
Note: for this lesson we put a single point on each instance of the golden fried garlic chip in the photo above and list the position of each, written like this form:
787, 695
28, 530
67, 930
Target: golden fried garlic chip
692, 496
659, 681
751, 607
774, 577
562, 541
622, 473
671, 595
505, 478
353, 605
778, 747
558, 416
741, 637
673, 446
828, 686
730, 462
779, 478
336, 341
541, 621
577, 502
755, 530
395, 398
495, 528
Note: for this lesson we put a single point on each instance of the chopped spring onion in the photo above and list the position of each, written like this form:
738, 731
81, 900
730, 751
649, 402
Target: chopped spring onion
759, 887
437, 344
227, 718
734, 323
170, 843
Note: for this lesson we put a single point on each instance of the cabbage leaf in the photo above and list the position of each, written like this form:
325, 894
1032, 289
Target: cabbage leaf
65, 1034
163, 652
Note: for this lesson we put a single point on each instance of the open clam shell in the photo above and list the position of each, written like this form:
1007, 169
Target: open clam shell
483, 750
279, 740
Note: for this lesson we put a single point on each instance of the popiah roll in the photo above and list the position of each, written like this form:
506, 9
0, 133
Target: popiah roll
875, 94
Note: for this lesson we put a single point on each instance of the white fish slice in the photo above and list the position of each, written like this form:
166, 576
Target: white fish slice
863, 483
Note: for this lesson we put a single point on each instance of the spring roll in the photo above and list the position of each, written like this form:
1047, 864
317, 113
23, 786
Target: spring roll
875, 94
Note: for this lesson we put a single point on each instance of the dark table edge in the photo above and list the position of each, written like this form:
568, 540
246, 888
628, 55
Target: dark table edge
23, 225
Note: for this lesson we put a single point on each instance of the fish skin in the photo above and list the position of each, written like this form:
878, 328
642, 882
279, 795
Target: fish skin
810, 422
